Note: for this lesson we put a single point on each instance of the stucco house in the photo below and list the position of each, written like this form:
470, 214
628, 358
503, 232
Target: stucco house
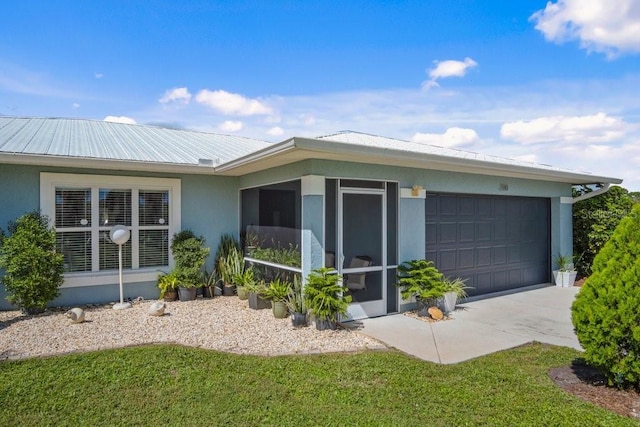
496, 221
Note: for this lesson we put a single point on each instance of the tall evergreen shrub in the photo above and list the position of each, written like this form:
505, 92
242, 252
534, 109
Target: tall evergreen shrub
33, 270
606, 312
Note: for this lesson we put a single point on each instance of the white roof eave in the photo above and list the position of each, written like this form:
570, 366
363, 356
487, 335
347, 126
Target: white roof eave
297, 149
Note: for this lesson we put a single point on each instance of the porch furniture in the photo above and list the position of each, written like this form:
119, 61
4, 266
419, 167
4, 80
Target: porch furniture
356, 281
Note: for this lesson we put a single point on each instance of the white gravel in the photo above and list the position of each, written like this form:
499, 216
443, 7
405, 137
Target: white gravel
223, 323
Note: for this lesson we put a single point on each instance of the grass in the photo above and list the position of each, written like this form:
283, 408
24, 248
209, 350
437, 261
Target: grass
173, 385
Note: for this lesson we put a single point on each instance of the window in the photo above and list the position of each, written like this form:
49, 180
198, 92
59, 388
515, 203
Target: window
84, 208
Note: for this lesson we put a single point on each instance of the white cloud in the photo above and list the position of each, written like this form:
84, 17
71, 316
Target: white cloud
98, 75
606, 26
230, 126
275, 131
452, 137
75, 105
448, 68
120, 119
232, 103
179, 95
582, 129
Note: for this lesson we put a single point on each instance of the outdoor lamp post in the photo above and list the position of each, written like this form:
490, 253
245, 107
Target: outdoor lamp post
119, 235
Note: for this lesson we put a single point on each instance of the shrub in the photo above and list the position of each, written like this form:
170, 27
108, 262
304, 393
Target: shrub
606, 312
420, 279
594, 221
33, 269
190, 254
324, 296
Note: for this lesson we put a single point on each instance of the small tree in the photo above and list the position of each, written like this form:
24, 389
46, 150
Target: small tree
594, 221
606, 312
190, 254
32, 267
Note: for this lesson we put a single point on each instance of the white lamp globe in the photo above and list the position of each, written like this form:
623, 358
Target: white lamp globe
119, 234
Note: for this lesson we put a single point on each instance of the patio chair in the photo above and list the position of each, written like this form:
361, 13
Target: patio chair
329, 259
357, 281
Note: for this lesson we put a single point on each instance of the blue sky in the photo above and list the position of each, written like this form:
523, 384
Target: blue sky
555, 83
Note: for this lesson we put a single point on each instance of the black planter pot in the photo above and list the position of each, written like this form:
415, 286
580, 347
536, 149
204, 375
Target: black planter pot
324, 324
187, 294
228, 290
299, 319
257, 303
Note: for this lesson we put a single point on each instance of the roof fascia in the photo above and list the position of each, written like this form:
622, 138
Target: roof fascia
85, 163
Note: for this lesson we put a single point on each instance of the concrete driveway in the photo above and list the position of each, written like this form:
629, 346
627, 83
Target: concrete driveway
483, 326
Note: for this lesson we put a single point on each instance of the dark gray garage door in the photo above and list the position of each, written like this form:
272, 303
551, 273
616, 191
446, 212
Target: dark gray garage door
496, 242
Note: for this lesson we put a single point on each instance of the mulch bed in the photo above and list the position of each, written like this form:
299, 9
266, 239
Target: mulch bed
589, 384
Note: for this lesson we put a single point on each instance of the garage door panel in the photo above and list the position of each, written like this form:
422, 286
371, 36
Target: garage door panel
447, 232
499, 255
483, 257
465, 258
483, 231
447, 259
496, 242
466, 232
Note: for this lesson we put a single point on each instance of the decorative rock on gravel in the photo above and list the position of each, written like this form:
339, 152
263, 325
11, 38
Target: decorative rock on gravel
76, 315
224, 324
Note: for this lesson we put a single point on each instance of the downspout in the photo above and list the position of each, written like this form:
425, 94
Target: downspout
585, 196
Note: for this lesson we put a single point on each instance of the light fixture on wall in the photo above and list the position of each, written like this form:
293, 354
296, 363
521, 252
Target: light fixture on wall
415, 190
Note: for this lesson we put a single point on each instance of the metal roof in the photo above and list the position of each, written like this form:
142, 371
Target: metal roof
92, 139
106, 145
374, 141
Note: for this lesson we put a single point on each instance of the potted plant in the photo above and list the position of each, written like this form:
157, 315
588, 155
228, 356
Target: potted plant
566, 273
324, 298
256, 293
226, 262
243, 282
277, 292
168, 285
209, 281
454, 291
190, 253
33, 270
295, 304
421, 280
230, 266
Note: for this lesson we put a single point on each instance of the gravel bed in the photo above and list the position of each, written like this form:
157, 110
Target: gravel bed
223, 323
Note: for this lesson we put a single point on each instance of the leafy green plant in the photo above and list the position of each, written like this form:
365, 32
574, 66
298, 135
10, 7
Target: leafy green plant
324, 296
231, 265
594, 221
606, 312
278, 290
190, 254
420, 279
295, 298
225, 246
278, 255
244, 278
564, 262
168, 282
457, 285
33, 270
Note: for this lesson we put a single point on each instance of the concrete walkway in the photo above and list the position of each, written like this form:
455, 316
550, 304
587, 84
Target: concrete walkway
483, 326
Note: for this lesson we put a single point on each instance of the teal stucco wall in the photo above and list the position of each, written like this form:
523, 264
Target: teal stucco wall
209, 208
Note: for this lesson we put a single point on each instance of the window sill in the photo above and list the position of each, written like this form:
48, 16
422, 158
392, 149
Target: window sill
76, 280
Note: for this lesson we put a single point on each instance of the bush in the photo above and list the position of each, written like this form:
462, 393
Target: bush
190, 255
594, 221
606, 312
33, 269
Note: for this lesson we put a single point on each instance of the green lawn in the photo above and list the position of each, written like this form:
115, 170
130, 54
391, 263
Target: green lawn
171, 385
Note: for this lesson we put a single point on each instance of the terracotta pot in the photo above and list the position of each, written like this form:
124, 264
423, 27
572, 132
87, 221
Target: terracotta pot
171, 295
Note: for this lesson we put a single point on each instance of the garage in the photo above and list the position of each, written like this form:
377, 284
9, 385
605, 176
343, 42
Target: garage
496, 242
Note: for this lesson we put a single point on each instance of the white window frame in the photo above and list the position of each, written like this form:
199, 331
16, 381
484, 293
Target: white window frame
50, 181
